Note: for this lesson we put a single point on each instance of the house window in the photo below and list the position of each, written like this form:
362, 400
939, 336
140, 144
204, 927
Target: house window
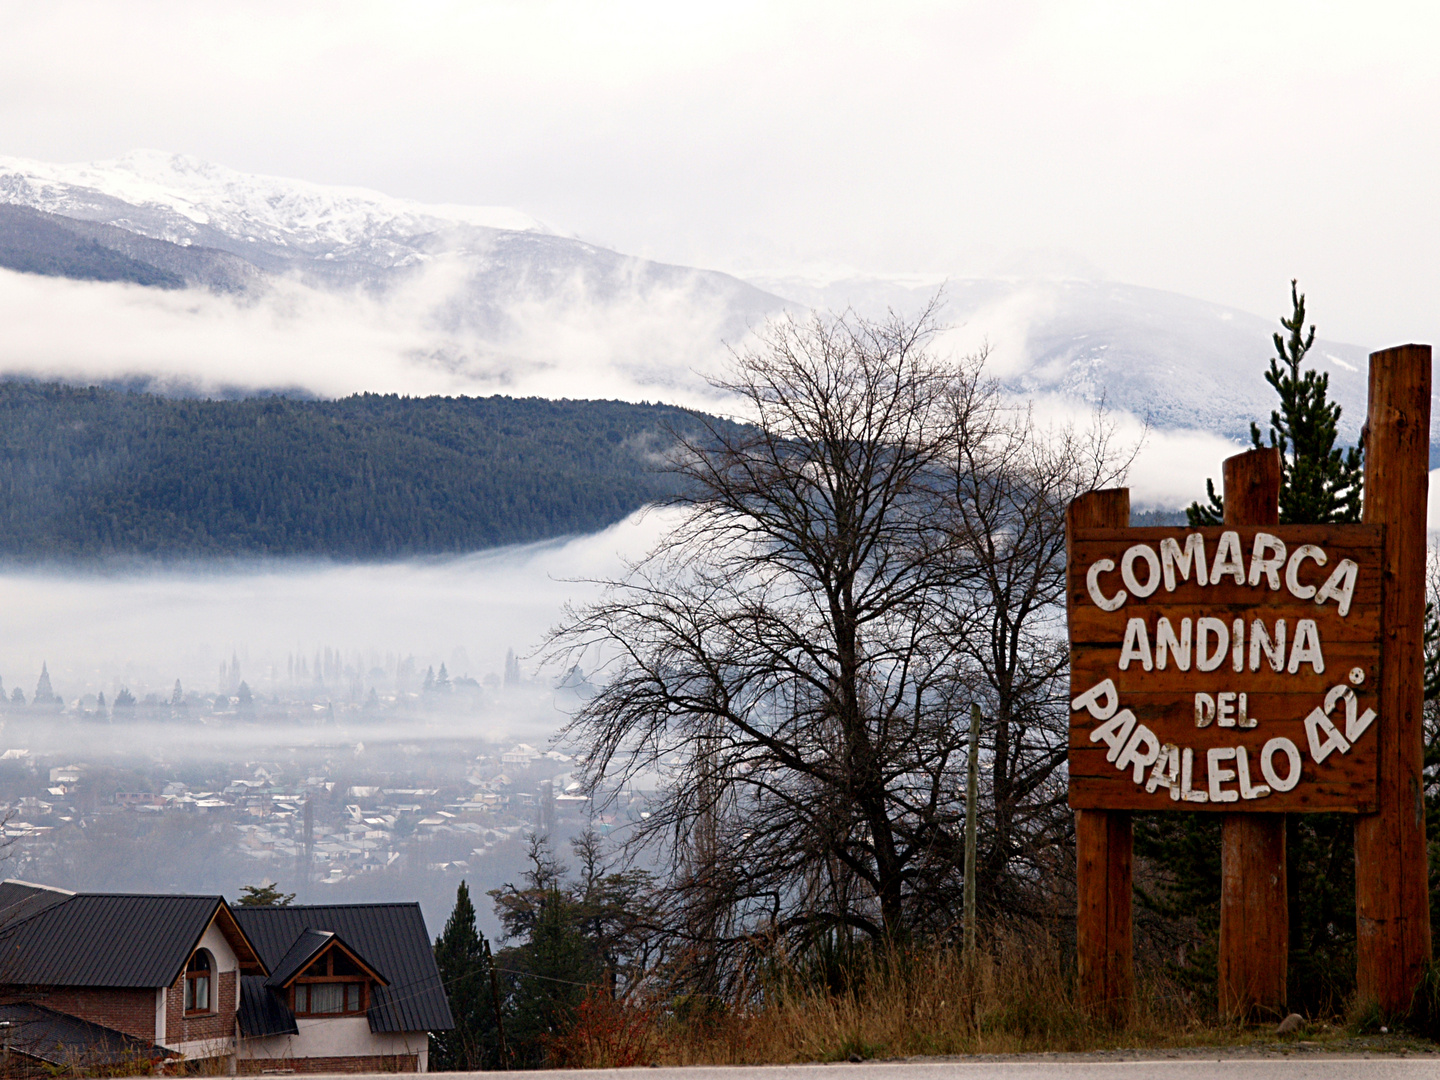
334, 985
199, 974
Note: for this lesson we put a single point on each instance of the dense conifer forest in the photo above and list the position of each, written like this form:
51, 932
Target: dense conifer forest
92, 472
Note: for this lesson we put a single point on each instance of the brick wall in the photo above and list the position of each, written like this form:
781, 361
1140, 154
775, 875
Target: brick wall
371, 1063
217, 1025
130, 1011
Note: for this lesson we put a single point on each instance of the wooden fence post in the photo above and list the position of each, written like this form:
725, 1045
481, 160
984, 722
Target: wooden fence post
1254, 915
1103, 843
1392, 902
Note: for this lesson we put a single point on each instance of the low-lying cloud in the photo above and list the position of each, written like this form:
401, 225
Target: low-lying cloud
415, 338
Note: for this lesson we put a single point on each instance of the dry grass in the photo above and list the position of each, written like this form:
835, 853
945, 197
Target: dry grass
1019, 996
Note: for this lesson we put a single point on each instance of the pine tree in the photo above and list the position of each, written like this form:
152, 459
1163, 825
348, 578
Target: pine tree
1320, 483
512, 669
442, 681
44, 695
462, 956
177, 696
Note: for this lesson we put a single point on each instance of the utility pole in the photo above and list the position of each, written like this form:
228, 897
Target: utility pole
972, 798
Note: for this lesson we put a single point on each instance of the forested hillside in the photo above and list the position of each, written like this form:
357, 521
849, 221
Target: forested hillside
89, 472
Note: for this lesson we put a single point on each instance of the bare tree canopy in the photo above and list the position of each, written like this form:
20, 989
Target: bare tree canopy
793, 666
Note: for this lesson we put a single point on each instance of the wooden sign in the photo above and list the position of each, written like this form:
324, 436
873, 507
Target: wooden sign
1225, 668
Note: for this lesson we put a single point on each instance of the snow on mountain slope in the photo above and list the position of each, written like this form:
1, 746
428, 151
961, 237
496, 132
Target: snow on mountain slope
1178, 362
185, 200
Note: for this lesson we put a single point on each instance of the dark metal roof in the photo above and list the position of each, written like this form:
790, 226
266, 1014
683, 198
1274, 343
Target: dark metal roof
105, 939
21, 899
391, 938
261, 1010
59, 1039
297, 957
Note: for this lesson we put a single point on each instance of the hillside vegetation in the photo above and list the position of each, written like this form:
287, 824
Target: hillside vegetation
88, 472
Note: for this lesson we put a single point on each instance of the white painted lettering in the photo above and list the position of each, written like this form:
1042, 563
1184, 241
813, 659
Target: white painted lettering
1270, 566
1260, 646
1228, 559
1114, 733
1242, 767
1152, 573
1340, 586
1136, 646
1280, 744
1217, 775
1237, 645
1142, 751
1206, 628
1173, 558
1166, 773
1187, 766
1242, 714
1225, 709
1090, 700
1092, 585
1355, 726
1318, 724
1204, 710
1292, 570
1307, 648
1166, 645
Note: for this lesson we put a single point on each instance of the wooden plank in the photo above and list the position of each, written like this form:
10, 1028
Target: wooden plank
1391, 886
1254, 912
1103, 846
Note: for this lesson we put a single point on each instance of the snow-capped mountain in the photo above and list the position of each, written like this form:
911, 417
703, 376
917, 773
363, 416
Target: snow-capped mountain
358, 290
185, 200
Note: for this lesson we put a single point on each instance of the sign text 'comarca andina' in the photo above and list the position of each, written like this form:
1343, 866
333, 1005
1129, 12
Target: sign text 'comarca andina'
1224, 668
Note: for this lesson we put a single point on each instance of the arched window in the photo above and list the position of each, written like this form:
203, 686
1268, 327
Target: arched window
198, 981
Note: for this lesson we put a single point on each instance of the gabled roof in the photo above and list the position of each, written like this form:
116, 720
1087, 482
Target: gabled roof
390, 938
307, 947
20, 899
109, 939
67, 1041
261, 1010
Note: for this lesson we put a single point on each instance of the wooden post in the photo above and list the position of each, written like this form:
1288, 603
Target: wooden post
1392, 903
1254, 911
1103, 844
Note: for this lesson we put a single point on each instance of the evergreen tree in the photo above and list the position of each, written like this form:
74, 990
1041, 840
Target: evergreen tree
429, 685
244, 700
462, 955
442, 681
100, 710
177, 696
1320, 484
266, 894
17, 697
124, 699
512, 669
44, 695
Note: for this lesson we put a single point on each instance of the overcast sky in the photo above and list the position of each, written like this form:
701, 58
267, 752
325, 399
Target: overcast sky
1213, 149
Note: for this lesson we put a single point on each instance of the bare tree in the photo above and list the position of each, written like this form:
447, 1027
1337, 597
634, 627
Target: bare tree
794, 663
1012, 483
